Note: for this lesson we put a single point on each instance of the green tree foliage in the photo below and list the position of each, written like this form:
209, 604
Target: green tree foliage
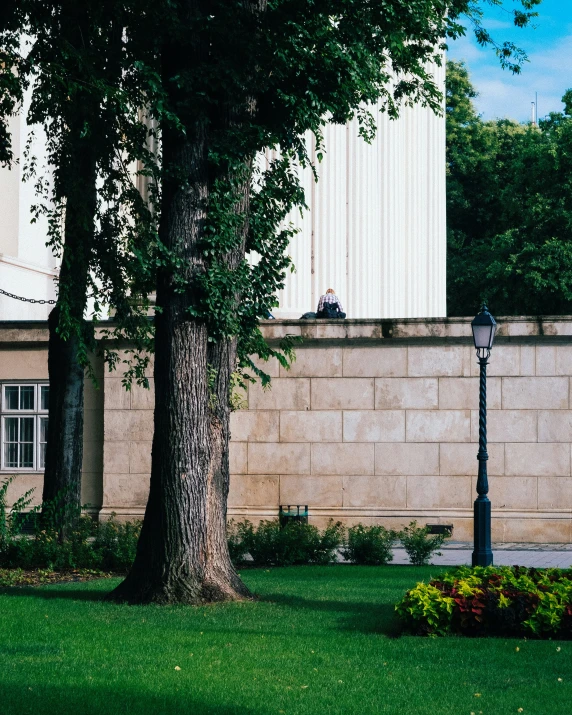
238, 79
224, 80
78, 63
509, 208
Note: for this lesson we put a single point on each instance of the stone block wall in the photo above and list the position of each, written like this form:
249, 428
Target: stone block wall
385, 430
375, 422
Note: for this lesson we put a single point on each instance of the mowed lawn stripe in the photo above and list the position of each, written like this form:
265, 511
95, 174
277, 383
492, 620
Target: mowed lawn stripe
317, 640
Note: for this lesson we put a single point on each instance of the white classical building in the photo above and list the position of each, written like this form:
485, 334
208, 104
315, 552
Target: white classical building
27, 266
375, 231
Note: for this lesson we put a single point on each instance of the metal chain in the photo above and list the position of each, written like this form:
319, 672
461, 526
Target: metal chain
27, 300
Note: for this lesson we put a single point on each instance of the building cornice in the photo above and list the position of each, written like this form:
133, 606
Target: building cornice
556, 328
24, 265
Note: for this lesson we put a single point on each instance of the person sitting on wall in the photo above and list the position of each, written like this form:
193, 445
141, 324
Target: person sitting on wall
329, 306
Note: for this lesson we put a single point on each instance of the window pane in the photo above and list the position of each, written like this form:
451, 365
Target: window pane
26, 429
42, 456
27, 397
11, 397
10, 429
43, 429
11, 455
27, 455
44, 397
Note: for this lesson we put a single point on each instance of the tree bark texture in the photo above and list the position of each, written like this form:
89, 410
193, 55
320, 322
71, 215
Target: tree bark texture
180, 557
171, 561
222, 577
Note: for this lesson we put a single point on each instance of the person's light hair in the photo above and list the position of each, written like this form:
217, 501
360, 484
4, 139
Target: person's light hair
331, 290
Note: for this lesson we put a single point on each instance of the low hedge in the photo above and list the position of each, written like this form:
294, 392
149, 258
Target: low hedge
297, 543
369, 545
104, 546
270, 544
500, 601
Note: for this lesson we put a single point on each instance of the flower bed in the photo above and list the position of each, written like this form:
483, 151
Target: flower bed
490, 600
41, 577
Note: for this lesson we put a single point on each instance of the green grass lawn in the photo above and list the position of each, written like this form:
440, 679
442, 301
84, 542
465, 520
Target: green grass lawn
319, 640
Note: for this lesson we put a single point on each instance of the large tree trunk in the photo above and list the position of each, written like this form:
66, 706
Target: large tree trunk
174, 561
180, 558
64, 450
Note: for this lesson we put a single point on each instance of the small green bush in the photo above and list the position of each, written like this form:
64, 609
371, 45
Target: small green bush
490, 600
369, 545
108, 546
11, 519
419, 545
269, 544
236, 543
115, 544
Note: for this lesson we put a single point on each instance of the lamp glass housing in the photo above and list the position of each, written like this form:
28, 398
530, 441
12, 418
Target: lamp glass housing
484, 327
483, 335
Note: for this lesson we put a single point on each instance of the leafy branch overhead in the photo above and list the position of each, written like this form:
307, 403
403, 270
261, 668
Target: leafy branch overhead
274, 71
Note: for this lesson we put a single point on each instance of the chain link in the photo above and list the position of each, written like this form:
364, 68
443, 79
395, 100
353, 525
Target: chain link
27, 300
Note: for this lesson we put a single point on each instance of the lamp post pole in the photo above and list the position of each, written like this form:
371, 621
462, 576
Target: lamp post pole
482, 554
483, 327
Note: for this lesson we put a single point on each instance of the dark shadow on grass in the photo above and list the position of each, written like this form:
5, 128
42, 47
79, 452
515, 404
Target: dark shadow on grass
363, 617
21, 699
51, 592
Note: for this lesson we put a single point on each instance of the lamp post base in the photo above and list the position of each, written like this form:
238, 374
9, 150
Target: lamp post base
483, 553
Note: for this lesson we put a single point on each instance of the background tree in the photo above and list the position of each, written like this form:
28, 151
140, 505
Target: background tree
240, 77
75, 58
509, 208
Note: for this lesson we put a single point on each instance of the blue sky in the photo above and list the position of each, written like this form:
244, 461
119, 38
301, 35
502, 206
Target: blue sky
549, 71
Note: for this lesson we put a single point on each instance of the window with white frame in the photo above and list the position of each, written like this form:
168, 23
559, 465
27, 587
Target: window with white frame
24, 429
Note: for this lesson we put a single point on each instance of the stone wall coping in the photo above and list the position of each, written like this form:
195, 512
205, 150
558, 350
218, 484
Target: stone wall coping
23, 332
510, 329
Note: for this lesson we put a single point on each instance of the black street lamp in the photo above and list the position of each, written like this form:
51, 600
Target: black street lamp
483, 327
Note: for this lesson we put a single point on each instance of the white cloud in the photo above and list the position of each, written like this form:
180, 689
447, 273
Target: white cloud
502, 94
492, 24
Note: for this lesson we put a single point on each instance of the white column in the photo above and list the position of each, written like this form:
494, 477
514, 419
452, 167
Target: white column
377, 226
